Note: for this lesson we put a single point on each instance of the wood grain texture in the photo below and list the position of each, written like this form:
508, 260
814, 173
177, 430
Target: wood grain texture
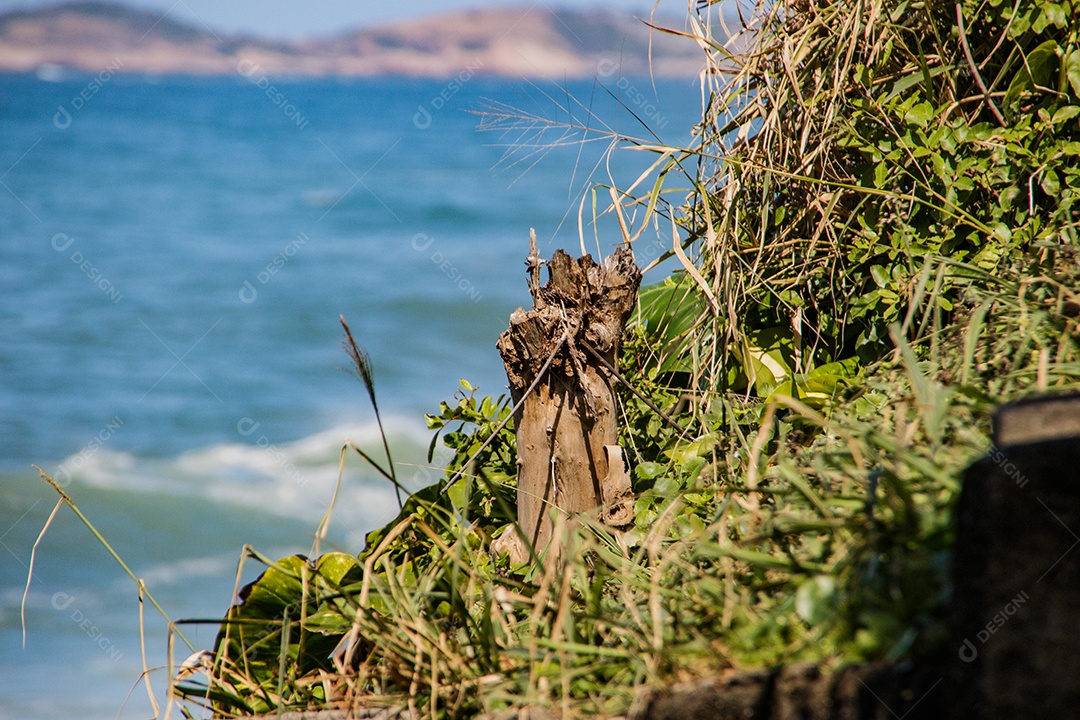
567, 432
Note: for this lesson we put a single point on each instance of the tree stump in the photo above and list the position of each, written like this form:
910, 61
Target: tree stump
567, 432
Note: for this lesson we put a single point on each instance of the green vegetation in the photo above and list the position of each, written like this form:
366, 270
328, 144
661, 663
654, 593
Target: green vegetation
878, 247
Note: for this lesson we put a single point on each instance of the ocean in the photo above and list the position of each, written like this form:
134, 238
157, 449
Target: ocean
174, 256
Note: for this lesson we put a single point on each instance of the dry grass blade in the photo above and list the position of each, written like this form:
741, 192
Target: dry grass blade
65, 498
142, 648
30, 567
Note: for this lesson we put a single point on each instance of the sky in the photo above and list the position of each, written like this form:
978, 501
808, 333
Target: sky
306, 18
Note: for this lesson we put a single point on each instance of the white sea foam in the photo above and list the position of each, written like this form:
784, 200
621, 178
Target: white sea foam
320, 198
185, 569
293, 479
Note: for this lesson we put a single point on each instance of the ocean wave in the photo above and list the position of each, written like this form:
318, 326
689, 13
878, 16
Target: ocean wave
176, 572
294, 479
320, 198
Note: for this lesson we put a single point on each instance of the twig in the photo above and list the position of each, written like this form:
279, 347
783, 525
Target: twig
667, 418
974, 68
501, 425
534, 262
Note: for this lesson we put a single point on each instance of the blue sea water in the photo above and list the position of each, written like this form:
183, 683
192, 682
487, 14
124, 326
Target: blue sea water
174, 255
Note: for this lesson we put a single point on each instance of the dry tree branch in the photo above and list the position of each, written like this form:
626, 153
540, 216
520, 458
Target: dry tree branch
974, 68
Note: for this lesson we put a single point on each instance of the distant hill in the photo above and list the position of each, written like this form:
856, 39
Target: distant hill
516, 41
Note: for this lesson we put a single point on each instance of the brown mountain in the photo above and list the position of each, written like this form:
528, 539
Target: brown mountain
531, 42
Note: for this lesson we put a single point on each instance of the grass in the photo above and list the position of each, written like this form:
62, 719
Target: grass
818, 534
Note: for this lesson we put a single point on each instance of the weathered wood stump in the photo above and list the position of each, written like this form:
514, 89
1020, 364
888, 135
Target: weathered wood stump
567, 439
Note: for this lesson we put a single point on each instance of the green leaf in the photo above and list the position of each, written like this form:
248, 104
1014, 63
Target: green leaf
920, 114
685, 452
815, 599
881, 174
667, 311
1038, 71
1072, 70
649, 470
333, 567
667, 486
880, 275
329, 620
459, 493
1050, 183
825, 383
1055, 14
1064, 114
767, 357
276, 589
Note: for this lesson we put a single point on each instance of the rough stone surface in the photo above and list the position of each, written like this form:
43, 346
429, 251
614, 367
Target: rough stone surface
1017, 570
804, 692
1037, 420
357, 714
522, 714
